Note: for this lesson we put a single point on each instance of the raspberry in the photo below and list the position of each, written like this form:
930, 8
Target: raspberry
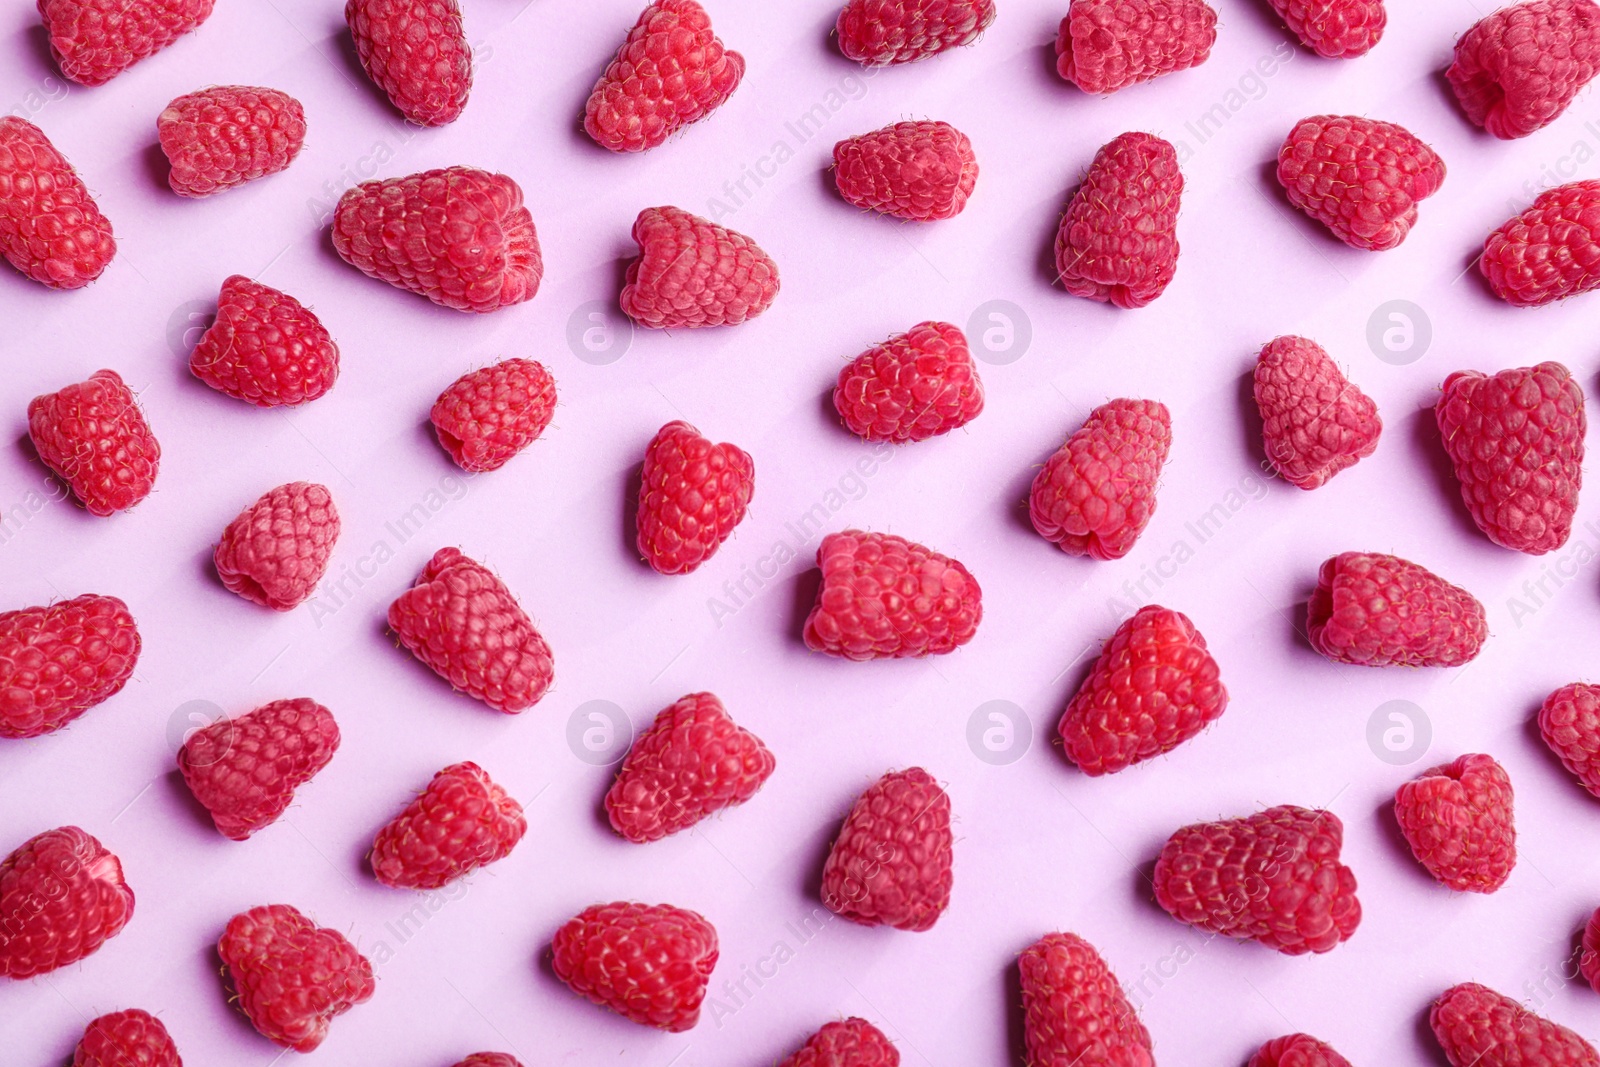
1478, 1027
1274, 877
1516, 440
1589, 956
1074, 1009
851, 1043
1361, 178
463, 622
1106, 45
95, 40
1153, 687
1314, 422
884, 597
921, 171
1381, 611
1118, 241
93, 435
1096, 495
131, 1038
1457, 820
228, 135
1569, 722
460, 822
692, 762
692, 494
62, 896
1297, 1050
649, 963
878, 33
265, 347
458, 236
691, 273
292, 977
1549, 252
489, 415
890, 864
490, 1059
1334, 29
670, 72
50, 227
276, 551
416, 52
59, 661
1516, 70
245, 771
916, 385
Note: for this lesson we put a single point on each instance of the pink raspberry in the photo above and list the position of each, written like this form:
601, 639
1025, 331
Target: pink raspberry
1096, 495
93, 435
59, 661
228, 135
1074, 1011
291, 977
891, 863
62, 896
1334, 29
916, 385
490, 1059
276, 551
265, 347
1549, 252
1379, 611
921, 171
245, 771
1516, 70
95, 40
691, 272
132, 1038
50, 227
1361, 178
1118, 241
487, 416
885, 597
1478, 1027
1106, 45
460, 822
692, 494
416, 51
649, 963
1569, 722
850, 1043
1457, 820
1297, 1050
1314, 422
878, 33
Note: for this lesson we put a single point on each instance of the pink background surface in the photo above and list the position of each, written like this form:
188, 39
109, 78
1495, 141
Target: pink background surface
1040, 847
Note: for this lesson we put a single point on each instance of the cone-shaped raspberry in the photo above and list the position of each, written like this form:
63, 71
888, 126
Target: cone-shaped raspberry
460, 822
458, 236
416, 51
649, 963
891, 863
95, 40
1549, 252
50, 227
277, 550
265, 347
1478, 1027
1314, 422
1361, 178
919, 171
291, 977
1457, 818
489, 415
916, 385
884, 597
1516, 70
1516, 441
671, 71
131, 1038
1334, 29
1106, 45
878, 33
62, 896
1118, 241
245, 771
1569, 722
690, 272
1380, 611
1297, 1050
692, 493
1096, 495
93, 435
850, 1043
1074, 1009
57, 662
228, 135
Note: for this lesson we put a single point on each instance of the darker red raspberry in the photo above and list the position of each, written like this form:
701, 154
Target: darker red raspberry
59, 661
490, 1059
93, 435
916, 385
920, 171
885, 597
1106, 45
1361, 178
276, 551
265, 347
1335, 29
458, 236
1274, 877
1074, 1010
1516, 441
460, 822
488, 415
1549, 252
691, 272
131, 1038
1589, 952
1478, 1027
95, 40
1457, 819
50, 227
850, 1043
1379, 611
245, 771
1118, 241
1314, 421
692, 493
291, 977
891, 863
1096, 495
416, 51
1569, 722
228, 135
1297, 1050
877, 33
648, 963
1516, 70
62, 896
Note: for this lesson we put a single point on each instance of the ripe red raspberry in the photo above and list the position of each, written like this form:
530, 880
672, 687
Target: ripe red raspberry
1106, 45
265, 347
95, 40
1549, 252
291, 977
1118, 241
490, 1059
487, 416
228, 135
1096, 495
93, 435
1516, 440
460, 822
1380, 611
62, 896
1153, 687
59, 661
416, 51
1361, 178
1335, 29
50, 227
890, 864
921, 171
916, 385
691, 763
458, 236
1478, 1027
877, 33
1589, 955
1457, 820
276, 551
1074, 1009
692, 493
1569, 722
1274, 877
884, 597
1314, 421
690, 272
463, 622
1297, 1050
245, 771
649, 963
1516, 70
131, 1038
851, 1043
671, 71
